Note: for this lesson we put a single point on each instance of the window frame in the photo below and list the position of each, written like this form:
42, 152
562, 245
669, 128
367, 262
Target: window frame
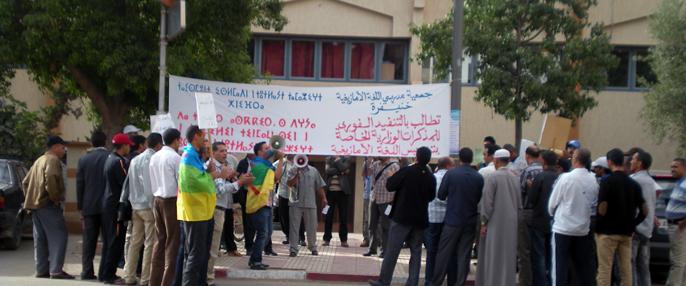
632, 77
257, 61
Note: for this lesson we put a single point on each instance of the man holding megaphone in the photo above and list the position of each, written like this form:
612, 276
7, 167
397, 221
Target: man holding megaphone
305, 181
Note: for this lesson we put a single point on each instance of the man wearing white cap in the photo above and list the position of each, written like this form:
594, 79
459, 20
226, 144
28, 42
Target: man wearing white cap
601, 168
500, 205
131, 130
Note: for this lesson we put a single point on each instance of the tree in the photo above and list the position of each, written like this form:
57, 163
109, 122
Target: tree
665, 109
108, 51
532, 56
20, 135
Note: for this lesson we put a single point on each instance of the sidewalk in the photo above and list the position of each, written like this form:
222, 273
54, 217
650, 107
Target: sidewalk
334, 263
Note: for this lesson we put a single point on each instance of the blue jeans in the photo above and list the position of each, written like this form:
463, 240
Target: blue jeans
640, 260
540, 257
262, 220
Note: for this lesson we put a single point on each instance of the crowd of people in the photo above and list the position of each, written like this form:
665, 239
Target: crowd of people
554, 218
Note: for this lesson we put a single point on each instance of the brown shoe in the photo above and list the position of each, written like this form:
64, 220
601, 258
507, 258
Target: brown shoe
364, 244
234, 253
325, 243
344, 244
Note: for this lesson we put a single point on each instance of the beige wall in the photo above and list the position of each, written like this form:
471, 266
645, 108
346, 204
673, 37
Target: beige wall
25, 90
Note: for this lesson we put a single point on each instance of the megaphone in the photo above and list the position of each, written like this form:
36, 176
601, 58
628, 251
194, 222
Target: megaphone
300, 160
276, 143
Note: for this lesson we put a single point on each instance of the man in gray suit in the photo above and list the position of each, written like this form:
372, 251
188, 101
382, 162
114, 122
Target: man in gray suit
337, 191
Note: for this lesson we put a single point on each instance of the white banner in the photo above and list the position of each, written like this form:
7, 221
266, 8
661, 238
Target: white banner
392, 120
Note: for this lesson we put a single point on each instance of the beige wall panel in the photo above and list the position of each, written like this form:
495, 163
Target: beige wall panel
338, 18
73, 129
26, 90
436, 9
614, 123
624, 10
631, 33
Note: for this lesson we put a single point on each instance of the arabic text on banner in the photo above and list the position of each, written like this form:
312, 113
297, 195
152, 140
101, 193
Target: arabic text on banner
391, 120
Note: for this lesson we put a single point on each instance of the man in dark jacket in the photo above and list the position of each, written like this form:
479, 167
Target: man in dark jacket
539, 194
113, 229
462, 188
90, 187
337, 191
415, 187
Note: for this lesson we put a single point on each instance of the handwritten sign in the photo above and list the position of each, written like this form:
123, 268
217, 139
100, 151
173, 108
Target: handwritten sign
392, 120
207, 115
161, 123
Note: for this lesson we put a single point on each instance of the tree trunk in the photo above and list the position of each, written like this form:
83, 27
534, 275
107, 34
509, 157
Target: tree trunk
518, 134
111, 108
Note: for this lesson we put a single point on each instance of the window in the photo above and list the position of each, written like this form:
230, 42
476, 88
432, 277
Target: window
361, 60
273, 57
393, 61
302, 59
626, 75
468, 71
619, 76
643, 69
333, 59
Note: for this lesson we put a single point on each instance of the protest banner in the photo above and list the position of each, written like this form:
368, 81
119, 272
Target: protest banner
392, 120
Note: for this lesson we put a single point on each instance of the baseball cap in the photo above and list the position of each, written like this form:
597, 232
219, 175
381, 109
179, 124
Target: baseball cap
501, 153
122, 139
54, 140
601, 162
132, 129
573, 143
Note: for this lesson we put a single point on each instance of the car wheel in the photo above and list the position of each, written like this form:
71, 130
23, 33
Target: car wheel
14, 242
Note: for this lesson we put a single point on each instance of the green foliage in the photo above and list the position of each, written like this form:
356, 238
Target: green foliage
531, 55
108, 50
20, 134
665, 109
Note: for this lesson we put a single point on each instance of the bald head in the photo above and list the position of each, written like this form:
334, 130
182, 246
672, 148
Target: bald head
445, 163
532, 154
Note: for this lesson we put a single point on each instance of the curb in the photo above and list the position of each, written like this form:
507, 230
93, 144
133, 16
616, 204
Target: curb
302, 275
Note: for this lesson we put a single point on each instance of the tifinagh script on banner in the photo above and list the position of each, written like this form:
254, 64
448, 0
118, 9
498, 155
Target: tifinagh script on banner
391, 120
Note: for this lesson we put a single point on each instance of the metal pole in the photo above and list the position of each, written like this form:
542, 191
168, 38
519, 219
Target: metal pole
456, 80
163, 58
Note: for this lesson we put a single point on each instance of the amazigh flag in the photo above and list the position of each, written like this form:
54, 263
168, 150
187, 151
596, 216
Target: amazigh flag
197, 197
260, 191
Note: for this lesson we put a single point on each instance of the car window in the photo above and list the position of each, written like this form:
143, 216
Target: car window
5, 175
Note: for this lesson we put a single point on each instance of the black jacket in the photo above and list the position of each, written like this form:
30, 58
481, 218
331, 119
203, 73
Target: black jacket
242, 194
623, 197
336, 168
539, 194
90, 182
115, 172
414, 187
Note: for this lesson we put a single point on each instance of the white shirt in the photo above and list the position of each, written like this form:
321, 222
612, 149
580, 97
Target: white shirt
164, 173
570, 203
487, 170
649, 189
140, 188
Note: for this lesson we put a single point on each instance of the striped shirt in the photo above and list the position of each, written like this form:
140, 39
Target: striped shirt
437, 206
676, 209
529, 173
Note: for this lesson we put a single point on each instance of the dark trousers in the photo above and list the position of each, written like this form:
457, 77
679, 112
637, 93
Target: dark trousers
49, 238
432, 236
113, 238
263, 226
540, 257
337, 199
377, 214
285, 218
455, 248
228, 231
400, 233
574, 249
196, 251
91, 230
249, 229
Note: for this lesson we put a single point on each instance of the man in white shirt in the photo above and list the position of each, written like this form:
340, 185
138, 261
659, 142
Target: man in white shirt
164, 174
225, 190
489, 150
570, 206
640, 249
138, 192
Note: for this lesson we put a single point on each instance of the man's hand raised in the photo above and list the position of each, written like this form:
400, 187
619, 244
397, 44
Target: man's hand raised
245, 179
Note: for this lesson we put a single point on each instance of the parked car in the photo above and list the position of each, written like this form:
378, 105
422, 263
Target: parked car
13, 217
659, 243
